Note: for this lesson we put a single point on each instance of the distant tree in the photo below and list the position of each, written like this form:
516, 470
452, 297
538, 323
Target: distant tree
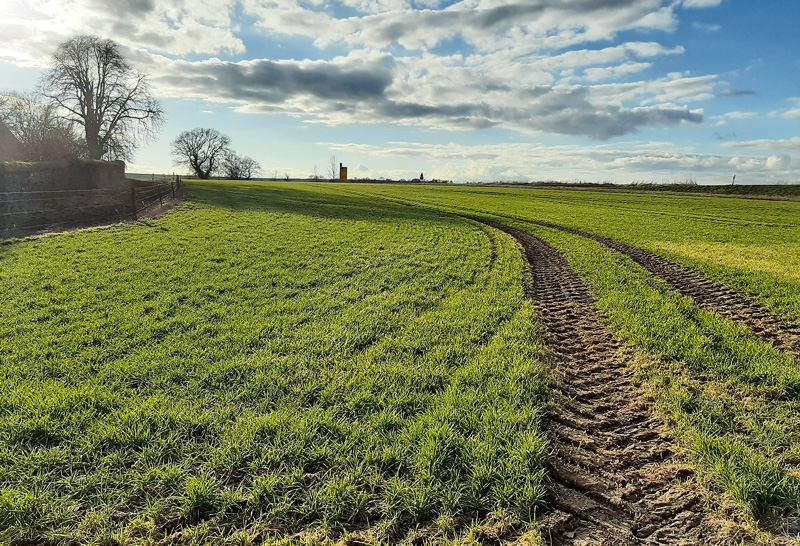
238, 167
44, 135
333, 168
315, 173
201, 150
96, 88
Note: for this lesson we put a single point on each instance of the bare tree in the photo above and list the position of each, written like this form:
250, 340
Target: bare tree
42, 134
200, 150
238, 167
333, 168
95, 87
315, 173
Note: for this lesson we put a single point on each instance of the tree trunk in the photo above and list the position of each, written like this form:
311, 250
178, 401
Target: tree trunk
92, 126
92, 142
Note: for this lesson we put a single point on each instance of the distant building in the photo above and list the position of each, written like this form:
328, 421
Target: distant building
342, 173
10, 148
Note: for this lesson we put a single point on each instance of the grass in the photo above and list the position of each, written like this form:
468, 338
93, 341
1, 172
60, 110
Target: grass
751, 245
300, 363
731, 400
272, 360
756, 190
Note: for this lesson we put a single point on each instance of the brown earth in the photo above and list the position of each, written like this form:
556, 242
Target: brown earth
616, 479
734, 305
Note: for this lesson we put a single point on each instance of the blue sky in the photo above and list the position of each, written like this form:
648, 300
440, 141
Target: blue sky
470, 90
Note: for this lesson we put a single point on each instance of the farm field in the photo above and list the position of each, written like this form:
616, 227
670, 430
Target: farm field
268, 361
751, 245
730, 399
304, 363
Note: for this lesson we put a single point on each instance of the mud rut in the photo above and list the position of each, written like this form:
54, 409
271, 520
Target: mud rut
616, 479
731, 304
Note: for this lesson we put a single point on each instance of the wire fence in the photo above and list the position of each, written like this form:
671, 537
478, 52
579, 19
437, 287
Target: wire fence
152, 177
145, 197
27, 212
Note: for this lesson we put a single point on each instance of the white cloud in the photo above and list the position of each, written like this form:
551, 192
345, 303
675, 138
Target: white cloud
746, 164
167, 26
662, 19
701, 3
706, 27
723, 119
778, 162
487, 25
622, 163
609, 72
430, 91
794, 112
790, 144
740, 115
534, 67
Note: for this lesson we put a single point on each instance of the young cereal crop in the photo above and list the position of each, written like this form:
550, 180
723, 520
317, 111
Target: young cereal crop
730, 399
750, 245
269, 361
293, 363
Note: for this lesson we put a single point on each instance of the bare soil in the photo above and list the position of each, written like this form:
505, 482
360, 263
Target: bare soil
616, 478
734, 305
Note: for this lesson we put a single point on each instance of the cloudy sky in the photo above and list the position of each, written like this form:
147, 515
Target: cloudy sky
470, 90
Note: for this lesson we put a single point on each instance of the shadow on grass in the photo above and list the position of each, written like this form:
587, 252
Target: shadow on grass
318, 200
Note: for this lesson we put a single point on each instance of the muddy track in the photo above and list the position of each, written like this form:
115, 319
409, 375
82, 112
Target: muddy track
736, 306
616, 480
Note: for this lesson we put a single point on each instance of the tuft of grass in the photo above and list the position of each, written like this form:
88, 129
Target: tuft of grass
200, 496
759, 482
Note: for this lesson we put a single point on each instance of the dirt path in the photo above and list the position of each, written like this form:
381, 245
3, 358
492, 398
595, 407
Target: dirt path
616, 479
732, 304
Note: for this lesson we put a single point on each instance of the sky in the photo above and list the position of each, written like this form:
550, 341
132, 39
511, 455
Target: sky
621, 91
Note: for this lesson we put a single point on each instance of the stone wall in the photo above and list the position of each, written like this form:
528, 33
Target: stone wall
58, 195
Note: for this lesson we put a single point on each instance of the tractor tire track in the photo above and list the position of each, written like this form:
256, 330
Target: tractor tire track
734, 305
616, 480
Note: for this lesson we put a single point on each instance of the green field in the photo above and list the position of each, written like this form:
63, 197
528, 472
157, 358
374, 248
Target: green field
731, 400
267, 361
311, 362
751, 245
